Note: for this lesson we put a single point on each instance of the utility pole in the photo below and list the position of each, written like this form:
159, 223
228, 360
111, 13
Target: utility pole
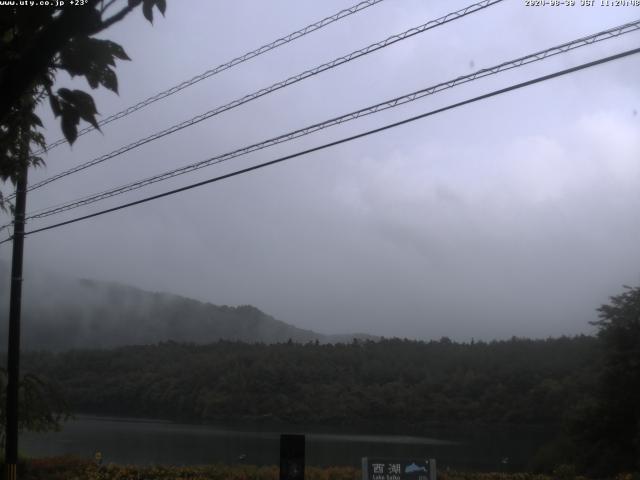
13, 356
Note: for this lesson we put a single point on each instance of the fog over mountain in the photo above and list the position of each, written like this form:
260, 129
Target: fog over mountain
515, 216
61, 313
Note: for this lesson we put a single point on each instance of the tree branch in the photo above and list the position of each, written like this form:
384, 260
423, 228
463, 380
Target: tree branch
106, 7
116, 17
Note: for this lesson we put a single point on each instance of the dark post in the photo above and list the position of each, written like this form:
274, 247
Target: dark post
13, 357
292, 457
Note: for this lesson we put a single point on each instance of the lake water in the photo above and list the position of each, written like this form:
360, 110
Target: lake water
131, 441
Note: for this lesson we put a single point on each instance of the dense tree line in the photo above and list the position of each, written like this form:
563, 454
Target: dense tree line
395, 381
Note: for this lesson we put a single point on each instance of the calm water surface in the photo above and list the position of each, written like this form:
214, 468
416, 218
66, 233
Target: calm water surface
131, 441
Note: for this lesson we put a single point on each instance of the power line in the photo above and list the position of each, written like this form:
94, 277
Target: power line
346, 139
276, 86
518, 62
225, 66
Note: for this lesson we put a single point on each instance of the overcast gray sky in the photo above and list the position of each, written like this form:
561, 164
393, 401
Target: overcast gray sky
517, 215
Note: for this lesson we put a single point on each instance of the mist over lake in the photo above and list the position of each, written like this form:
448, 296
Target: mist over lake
130, 441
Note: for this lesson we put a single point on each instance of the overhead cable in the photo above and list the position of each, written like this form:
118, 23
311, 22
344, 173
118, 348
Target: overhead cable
343, 140
276, 86
225, 66
394, 102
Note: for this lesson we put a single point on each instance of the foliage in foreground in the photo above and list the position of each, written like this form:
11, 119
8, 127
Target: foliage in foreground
607, 428
73, 468
35, 45
42, 409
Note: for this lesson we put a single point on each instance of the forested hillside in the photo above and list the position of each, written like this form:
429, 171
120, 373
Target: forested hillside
395, 381
62, 313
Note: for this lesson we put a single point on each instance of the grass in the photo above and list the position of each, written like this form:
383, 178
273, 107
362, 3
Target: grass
75, 468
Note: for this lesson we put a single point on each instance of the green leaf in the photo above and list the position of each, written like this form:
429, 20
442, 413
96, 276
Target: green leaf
78, 105
34, 119
36, 161
69, 129
147, 9
93, 59
85, 107
55, 105
84, 102
93, 79
38, 139
162, 6
7, 37
118, 51
69, 122
109, 80
66, 95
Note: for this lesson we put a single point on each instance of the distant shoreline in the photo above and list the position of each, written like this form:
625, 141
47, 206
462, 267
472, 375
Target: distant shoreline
272, 424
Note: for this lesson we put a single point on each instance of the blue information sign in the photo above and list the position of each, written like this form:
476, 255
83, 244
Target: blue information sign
398, 469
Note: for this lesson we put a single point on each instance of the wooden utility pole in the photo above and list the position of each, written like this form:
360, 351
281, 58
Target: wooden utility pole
13, 356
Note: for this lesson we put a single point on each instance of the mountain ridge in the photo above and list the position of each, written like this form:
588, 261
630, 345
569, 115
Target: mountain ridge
61, 313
